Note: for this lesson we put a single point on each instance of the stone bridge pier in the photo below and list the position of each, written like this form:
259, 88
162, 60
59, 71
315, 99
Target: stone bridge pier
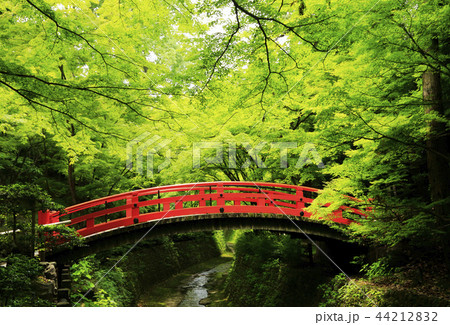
55, 283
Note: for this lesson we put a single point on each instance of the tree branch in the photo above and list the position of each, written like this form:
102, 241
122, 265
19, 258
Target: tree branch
31, 101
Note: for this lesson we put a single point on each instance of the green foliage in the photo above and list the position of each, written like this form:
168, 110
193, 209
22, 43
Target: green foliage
17, 282
380, 268
81, 274
364, 292
19, 201
347, 77
340, 292
95, 285
102, 299
17, 198
219, 237
271, 270
51, 237
69, 113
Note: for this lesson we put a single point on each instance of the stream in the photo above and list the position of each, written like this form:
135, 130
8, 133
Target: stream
196, 287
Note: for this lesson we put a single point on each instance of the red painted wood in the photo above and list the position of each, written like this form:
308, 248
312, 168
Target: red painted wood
191, 199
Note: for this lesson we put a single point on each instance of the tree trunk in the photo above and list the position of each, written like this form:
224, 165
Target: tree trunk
33, 229
70, 172
14, 229
438, 166
71, 179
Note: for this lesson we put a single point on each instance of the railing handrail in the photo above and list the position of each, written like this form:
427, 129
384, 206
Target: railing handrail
261, 197
173, 188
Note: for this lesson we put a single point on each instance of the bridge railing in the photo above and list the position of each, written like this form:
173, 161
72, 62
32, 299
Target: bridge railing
172, 201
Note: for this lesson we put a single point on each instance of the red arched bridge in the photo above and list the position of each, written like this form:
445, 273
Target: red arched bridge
182, 201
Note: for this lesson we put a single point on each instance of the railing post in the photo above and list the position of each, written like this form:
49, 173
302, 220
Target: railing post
159, 204
300, 204
338, 213
261, 200
369, 210
210, 193
201, 201
90, 223
133, 209
178, 204
43, 217
220, 193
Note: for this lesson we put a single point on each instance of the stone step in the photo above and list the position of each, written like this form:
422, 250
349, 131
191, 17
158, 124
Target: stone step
64, 293
65, 276
63, 303
66, 284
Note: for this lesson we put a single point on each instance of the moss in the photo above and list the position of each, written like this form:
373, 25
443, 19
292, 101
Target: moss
340, 292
